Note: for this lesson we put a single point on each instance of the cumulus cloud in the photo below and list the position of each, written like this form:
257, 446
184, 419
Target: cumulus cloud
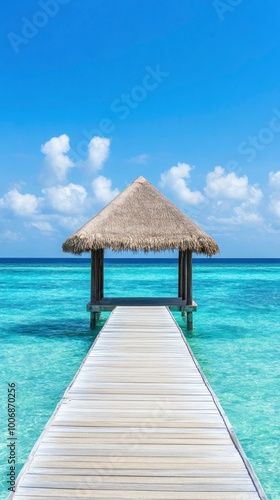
69, 199
102, 190
71, 222
254, 196
221, 185
175, 179
56, 158
224, 189
98, 152
240, 216
140, 159
274, 184
8, 235
62, 204
22, 205
43, 226
243, 214
274, 179
275, 206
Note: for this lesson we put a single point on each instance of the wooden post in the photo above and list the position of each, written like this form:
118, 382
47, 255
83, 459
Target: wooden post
180, 274
97, 274
101, 273
189, 289
92, 288
100, 290
92, 320
182, 286
97, 281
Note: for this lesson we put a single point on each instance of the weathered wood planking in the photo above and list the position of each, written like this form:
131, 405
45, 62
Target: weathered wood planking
139, 421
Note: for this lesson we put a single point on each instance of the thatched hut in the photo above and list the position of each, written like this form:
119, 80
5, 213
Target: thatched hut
141, 218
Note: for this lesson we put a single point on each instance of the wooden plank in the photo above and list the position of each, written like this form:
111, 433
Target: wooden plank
104, 439
139, 405
139, 421
144, 462
188, 465
89, 469
122, 398
131, 431
136, 483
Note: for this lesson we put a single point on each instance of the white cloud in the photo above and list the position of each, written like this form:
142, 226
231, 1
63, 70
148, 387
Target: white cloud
274, 179
140, 159
174, 179
225, 189
10, 236
245, 213
56, 158
274, 183
254, 196
240, 217
275, 206
22, 205
98, 152
69, 199
102, 190
43, 226
221, 185
72, 223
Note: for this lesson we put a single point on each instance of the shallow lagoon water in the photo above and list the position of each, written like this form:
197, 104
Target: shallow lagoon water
45, 335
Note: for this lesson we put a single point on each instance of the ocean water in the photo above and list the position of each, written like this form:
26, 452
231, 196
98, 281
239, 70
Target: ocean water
44, 330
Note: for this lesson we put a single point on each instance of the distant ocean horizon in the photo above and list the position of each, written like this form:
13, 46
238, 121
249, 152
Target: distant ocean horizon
45, 335
76, 260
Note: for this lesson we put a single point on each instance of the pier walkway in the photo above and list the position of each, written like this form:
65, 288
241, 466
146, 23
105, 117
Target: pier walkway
139, 421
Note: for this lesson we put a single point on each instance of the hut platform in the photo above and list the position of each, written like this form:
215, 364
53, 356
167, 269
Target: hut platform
108, 304
139, 421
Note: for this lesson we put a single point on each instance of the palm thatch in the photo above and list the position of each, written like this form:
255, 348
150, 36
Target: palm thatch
140, 218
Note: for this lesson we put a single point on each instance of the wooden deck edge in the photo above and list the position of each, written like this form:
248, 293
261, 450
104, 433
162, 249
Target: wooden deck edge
228, 425
48, 423
97, 307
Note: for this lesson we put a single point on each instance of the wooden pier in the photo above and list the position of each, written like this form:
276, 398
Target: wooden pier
139, 421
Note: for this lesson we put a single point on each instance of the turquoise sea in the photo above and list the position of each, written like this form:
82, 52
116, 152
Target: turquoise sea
45, 335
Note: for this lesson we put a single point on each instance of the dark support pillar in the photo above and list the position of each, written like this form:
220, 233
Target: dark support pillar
180, 274
182, 285
97, 281
101, 273
189, 289
93, 287
93, 320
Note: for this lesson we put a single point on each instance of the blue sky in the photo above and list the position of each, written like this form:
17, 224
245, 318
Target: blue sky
96, 93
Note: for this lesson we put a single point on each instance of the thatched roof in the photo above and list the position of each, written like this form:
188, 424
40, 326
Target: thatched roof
140, 218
